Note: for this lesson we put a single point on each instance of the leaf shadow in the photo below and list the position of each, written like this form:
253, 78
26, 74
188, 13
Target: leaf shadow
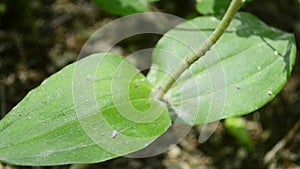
251, 26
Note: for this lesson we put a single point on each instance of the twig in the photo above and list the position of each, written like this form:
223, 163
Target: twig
270, 155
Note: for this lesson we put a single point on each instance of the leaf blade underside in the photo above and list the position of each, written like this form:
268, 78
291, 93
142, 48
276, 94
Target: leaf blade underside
243, 71
62, 122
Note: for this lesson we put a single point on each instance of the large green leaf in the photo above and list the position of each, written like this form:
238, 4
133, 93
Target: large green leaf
245, 69
96, 109
124, 7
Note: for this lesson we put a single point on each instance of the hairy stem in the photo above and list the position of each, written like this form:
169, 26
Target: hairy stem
213, 38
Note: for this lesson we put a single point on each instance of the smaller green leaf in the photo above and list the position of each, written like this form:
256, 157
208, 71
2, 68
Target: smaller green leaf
236, 126
124, 7
2, 8
215, 7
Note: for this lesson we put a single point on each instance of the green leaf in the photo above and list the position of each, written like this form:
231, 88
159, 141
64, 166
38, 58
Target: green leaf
215, 7
124, 7
244, 70
93, 110
236, 126
2, 8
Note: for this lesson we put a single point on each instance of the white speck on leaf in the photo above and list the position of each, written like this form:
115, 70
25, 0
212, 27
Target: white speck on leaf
238, 87
276, 53
270, 93
214, 19
114, 134
89, 78
259, 68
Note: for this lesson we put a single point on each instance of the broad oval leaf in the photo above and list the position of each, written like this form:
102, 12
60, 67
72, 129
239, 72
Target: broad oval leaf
124, 7
245, 69
80, 115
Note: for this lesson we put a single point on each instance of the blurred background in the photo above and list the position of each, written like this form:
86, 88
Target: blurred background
38, 38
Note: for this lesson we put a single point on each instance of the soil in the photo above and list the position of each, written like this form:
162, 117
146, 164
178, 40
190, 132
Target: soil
38, 38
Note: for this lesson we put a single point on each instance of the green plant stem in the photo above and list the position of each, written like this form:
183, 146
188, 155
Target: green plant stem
213, 38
